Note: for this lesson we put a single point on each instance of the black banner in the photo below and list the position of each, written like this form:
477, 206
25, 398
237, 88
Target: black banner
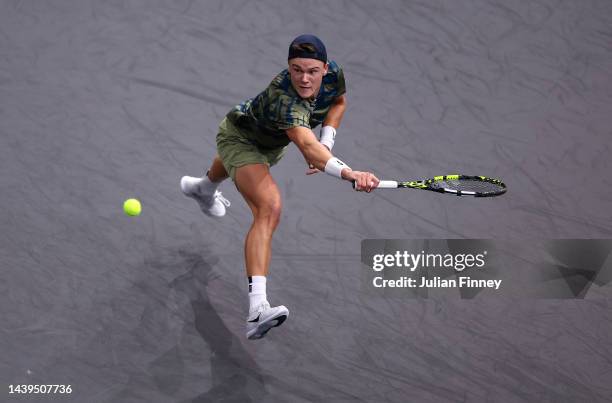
468, 268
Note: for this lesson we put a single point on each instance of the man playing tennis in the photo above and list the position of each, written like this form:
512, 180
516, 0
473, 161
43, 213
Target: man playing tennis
252, 138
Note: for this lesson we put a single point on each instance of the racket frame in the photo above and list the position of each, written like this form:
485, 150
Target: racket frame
426, 185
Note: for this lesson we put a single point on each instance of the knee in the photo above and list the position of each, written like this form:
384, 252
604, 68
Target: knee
270, 211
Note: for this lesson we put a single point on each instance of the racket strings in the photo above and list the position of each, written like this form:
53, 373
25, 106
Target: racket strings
468, 185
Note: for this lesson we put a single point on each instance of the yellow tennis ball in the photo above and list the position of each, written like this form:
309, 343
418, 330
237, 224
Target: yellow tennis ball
132, 207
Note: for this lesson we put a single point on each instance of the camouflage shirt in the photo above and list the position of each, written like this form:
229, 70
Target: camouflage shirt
278, 108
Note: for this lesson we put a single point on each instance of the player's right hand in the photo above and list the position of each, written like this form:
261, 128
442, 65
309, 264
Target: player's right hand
311, 170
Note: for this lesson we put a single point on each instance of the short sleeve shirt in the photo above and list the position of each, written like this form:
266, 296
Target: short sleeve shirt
278, 108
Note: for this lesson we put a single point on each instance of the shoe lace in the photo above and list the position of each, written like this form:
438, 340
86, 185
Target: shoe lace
260, 308
222, 199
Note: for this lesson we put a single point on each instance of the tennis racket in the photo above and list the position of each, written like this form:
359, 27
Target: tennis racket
458, 185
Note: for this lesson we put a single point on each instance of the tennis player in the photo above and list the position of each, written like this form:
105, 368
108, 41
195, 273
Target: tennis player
253, 137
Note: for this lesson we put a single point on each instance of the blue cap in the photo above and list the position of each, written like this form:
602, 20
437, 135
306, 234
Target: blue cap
308, 47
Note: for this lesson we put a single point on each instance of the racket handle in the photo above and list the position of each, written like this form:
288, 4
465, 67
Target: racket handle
384, 185
387, 185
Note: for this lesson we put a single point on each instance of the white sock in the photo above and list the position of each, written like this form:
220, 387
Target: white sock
257, 291
207, 186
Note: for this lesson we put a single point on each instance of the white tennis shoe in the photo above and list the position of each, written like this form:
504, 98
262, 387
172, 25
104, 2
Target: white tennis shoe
264, 318
212, 205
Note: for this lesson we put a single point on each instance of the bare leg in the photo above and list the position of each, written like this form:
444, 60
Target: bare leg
263, 197
217, 171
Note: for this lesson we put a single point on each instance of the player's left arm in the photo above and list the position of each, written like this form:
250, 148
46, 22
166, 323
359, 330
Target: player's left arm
330, 125
336, 112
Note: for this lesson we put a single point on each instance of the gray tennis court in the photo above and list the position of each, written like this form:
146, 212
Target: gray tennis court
101, 101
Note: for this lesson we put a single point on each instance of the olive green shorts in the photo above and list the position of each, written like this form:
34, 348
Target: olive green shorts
236, 150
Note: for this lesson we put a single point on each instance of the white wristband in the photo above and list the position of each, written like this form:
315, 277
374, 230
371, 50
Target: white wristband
328, 136
334, 167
